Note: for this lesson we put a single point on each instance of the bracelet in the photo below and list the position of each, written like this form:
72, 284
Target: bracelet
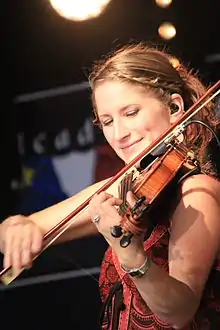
137, 272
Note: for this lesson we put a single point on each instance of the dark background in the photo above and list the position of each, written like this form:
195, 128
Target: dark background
41, 50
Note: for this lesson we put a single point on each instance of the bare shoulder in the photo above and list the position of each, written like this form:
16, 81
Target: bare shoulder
200, 186
200, 200
202, 179
195, 231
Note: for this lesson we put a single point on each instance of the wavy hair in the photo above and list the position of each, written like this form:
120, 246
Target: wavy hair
154, 70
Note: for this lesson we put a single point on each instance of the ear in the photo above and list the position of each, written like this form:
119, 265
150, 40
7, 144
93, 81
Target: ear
178, 107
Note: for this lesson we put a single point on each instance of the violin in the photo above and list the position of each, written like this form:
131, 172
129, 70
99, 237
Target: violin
147, 187
147, 176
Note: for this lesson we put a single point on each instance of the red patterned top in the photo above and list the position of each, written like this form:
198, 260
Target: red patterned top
134, 314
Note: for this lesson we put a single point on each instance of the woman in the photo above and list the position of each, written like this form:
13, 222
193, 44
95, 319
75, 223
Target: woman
167, 277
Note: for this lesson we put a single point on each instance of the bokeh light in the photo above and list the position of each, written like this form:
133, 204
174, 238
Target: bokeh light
79, 10
167, 31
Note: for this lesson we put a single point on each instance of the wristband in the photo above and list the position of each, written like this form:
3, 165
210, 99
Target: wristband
137, 272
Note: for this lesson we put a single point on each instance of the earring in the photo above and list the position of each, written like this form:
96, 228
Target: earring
174, 108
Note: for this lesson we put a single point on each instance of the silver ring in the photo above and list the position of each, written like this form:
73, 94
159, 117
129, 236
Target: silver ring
96, 218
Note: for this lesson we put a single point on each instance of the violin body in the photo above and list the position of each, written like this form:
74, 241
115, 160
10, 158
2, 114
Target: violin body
153, 184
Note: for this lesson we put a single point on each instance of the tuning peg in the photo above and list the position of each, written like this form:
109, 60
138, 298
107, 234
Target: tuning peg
116, 231
126, 240
138, 204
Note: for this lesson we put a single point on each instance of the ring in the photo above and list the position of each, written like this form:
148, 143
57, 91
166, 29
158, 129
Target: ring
96, 218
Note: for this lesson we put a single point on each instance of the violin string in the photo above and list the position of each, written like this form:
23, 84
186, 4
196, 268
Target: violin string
124, 189
121, 195
127, 185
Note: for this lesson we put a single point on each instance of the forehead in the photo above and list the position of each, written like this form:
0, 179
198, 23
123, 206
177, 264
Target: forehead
111, 95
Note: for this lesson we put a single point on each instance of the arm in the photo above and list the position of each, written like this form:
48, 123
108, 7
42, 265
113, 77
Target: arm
21, 237
51, 216
194, 245
82, 225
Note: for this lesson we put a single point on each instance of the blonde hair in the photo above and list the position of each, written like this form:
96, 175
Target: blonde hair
153, 69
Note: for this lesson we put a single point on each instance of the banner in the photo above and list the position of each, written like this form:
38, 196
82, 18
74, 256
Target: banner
61, 150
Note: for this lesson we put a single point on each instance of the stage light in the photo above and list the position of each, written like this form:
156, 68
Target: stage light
79, 10
163, 3
167, 31
175, 62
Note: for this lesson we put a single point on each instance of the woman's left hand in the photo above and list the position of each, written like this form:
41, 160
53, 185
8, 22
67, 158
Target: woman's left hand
103, 209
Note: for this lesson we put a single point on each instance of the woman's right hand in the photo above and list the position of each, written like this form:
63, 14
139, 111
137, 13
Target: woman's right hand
20, 240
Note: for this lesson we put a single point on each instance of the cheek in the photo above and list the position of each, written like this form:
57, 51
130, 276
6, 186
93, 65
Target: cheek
155, 123
142, 126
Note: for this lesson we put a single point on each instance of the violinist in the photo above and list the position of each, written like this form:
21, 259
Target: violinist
168, 276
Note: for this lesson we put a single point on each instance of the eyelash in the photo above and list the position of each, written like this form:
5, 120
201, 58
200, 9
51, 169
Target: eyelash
130, 113
133, 112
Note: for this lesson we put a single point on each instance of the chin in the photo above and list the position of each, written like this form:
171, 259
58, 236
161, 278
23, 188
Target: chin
127, 160
133, 156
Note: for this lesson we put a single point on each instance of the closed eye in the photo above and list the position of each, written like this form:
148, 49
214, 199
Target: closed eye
132, 113
107, 122
128, 113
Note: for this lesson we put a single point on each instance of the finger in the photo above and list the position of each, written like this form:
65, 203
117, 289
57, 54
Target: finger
111, 212
37, 242
26, 255
26, 258
113, 201
131, 199
106, 195
8, 249
16, 255
96, 201
7, 259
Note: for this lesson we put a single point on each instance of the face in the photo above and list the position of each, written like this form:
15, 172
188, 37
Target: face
131, 118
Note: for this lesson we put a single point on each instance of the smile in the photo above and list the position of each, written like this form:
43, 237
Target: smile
131, 145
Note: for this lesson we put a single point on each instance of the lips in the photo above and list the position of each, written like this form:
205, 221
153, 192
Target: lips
130, 145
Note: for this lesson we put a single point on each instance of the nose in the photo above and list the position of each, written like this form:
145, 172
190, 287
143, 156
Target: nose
121, 131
